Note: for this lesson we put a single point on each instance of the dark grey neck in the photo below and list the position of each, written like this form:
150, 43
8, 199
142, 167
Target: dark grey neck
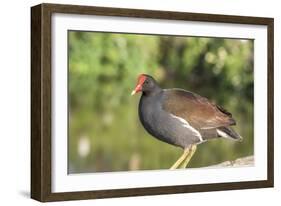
156, 90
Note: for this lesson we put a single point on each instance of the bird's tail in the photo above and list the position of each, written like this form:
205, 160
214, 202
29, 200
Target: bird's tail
228, 132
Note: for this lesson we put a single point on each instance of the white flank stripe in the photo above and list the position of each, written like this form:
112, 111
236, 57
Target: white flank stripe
207, 128
187, 125
223, 134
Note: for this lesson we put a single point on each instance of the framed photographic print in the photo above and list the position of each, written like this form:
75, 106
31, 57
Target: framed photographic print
128, 102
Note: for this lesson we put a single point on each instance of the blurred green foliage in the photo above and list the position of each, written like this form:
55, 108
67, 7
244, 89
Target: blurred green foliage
104, 130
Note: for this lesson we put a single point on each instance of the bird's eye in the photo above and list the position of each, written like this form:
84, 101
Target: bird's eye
145, 82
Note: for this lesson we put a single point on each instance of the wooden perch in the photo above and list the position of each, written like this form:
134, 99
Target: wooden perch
240, 162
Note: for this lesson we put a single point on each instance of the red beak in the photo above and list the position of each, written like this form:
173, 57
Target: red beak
138, 88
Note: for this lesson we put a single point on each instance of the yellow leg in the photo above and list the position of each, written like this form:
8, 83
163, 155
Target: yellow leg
188, 157
181, 159
184, 159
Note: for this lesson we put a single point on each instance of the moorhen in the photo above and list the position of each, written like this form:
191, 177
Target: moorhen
181, 118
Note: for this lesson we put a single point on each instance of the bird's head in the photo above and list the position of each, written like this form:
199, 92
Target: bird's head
145, 84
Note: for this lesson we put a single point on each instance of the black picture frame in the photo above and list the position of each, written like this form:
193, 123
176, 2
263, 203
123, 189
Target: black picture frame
41, 117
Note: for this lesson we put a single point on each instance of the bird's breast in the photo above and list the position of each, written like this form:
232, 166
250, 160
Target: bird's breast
165, 126
149, 111
156, 121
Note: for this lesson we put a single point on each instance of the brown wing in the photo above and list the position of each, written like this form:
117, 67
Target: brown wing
198, 111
